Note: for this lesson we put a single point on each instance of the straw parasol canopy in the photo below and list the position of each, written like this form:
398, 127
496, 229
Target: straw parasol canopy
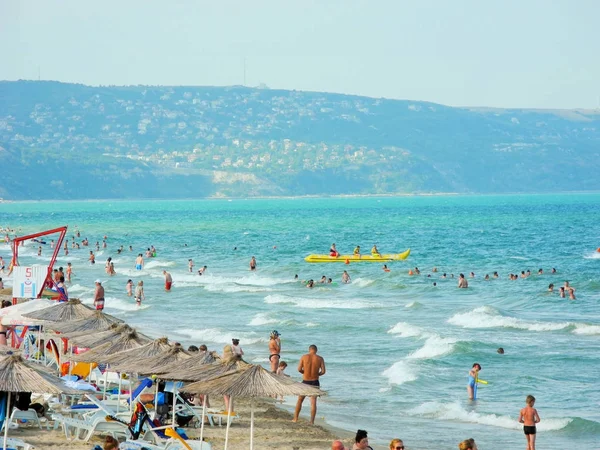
173, 356
126, 341
70, 310
18, 375
253, 381
96, 338
97, 321
194, 369
138, 355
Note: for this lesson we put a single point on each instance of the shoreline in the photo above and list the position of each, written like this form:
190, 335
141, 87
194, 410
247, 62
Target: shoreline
303, 197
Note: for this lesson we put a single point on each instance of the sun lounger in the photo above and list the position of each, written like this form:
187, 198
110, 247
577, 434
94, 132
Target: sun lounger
16, 444
77, 429
29, 415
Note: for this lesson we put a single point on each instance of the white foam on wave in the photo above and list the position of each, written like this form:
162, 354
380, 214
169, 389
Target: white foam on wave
218, 336
455, 412
154, 263
404, 329
79, 288
594, 255
401, 372
230, 289
262, 319
587, 330
123, 305
434, 346
328, 303
487, 317
362, 282
414, 304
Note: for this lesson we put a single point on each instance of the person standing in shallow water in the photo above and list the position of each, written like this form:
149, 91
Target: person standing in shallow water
312, 367
274, 350
253, 264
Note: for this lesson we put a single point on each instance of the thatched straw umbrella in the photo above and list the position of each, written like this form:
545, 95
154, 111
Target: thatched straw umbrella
147, 365
125, 341
17, 375
65, 311
194, 369
252, 382
96, 339
97, 321
139, 355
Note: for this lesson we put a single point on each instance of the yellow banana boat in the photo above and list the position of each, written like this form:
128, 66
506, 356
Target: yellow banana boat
362, 258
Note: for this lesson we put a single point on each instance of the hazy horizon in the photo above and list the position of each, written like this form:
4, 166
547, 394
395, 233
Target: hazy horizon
536, 55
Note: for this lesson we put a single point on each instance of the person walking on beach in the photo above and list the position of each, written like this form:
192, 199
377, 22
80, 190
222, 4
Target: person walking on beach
139, 293
99, 296
312, 367
168, 280
274, 350
253, 264
529, 417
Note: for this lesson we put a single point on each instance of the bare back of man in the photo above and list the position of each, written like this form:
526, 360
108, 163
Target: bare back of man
311, 366
274, 351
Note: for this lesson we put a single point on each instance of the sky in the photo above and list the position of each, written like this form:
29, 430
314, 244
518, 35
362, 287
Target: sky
521, 54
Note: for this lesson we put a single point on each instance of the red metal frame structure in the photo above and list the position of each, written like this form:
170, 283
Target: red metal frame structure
15, 248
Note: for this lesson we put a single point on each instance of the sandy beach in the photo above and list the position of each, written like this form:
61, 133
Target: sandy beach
273, 429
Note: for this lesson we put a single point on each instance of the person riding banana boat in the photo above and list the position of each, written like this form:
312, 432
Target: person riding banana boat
375, 252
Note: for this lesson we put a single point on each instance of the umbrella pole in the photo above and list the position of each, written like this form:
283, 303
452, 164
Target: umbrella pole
203, 416
119, 394
155, 398
228, 421
6, 419
252, 425
105, 382
39, 344
71, 361
174, 401
130, 378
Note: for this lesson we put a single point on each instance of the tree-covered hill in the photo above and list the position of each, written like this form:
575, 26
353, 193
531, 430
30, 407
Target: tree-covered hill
62, 140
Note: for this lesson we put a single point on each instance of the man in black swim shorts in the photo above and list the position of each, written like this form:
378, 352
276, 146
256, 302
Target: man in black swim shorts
311, 366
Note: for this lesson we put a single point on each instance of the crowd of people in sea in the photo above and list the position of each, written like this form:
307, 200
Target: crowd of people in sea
311, 365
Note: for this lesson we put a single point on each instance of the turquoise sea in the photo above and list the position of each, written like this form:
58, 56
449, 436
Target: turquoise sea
397, 348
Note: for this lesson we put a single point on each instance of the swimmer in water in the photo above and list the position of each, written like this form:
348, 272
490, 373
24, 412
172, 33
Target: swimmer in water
329, 281
500, 351
385, 268
253, 264
571, 294
487, 277
473, 374
190, 265
323, 279
345, 278
462, 282
561, 292
129, 288
310, 284
551, 287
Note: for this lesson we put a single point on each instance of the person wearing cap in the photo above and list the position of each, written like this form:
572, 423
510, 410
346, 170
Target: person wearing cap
99, 296
274, 350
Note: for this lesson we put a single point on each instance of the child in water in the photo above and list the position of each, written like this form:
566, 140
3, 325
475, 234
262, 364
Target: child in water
529, 417
473, 373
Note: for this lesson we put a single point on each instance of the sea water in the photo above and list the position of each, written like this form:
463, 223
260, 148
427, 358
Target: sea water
397, 348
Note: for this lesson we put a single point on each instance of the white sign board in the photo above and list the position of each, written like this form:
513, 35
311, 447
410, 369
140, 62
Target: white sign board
28, 281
